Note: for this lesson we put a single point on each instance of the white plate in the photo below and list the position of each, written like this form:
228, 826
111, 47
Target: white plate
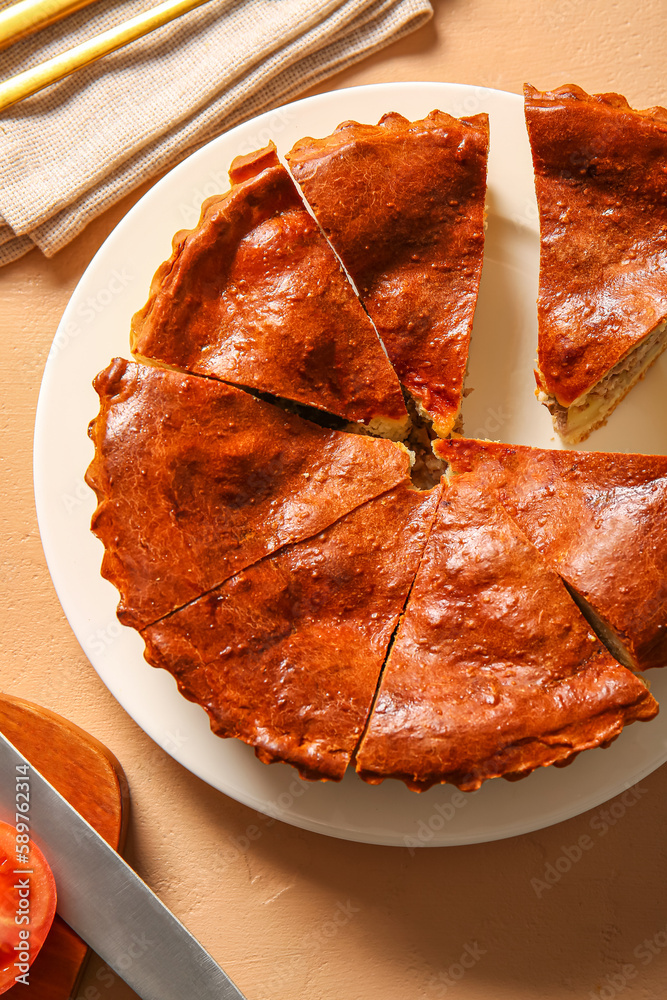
95, 327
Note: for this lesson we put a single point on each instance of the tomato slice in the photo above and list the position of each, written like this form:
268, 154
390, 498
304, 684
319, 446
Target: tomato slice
27, 905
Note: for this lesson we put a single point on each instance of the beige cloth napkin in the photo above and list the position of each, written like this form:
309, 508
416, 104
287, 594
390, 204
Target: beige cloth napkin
71, 151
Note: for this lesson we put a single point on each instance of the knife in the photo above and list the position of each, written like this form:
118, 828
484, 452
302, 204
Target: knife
105, 901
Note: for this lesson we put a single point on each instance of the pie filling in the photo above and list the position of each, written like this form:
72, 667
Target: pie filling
383, 427
575, 422
416, 434
418, 437
427, 469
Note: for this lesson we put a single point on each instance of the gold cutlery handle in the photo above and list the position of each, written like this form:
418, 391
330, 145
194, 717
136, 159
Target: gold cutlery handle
23, 18
25, 84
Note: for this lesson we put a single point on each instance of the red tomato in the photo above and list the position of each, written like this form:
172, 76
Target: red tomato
27, 905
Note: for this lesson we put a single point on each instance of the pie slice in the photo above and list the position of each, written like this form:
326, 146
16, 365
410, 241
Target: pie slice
494, 672
403, 206
601, 521
255, 296
602, 196
196, 480
286, 655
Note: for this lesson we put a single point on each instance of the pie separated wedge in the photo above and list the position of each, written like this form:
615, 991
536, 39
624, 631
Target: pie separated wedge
286, 655
602, 197
196, 480
600, 520
403, 206
255, 296
493, 671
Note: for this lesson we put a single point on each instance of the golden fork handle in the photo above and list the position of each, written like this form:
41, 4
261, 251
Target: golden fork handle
25, 84
23, 18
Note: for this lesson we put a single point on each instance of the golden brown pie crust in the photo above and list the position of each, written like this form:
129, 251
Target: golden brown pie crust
403, 205
600, 519
602, 197
267, 560
493, 671
286, 655
255, 296
196, 480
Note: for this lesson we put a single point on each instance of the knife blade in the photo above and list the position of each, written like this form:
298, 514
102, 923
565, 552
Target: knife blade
105, 901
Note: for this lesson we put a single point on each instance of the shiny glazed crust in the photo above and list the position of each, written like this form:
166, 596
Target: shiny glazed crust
196, 480
255, 296
267, 561
403, 205
286, 655
602, 196
599, 518
493, 672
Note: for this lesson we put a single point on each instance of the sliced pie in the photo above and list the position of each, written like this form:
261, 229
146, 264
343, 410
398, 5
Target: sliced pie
403, 206
196, 480
600, 519
602, 196
286, 655
255, 296
493, 672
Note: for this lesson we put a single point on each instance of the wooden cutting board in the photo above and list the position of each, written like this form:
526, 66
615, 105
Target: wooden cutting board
92, 780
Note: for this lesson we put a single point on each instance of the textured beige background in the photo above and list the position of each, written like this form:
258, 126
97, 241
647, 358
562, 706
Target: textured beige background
404, 922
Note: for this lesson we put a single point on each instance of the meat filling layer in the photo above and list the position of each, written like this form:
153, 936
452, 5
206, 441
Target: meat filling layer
574, 423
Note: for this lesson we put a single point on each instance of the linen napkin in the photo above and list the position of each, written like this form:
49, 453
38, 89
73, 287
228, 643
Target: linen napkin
71, 151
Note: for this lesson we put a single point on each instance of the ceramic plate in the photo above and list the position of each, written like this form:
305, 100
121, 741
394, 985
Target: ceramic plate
95, 328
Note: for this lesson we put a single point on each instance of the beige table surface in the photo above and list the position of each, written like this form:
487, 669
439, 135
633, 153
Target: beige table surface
405, 922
